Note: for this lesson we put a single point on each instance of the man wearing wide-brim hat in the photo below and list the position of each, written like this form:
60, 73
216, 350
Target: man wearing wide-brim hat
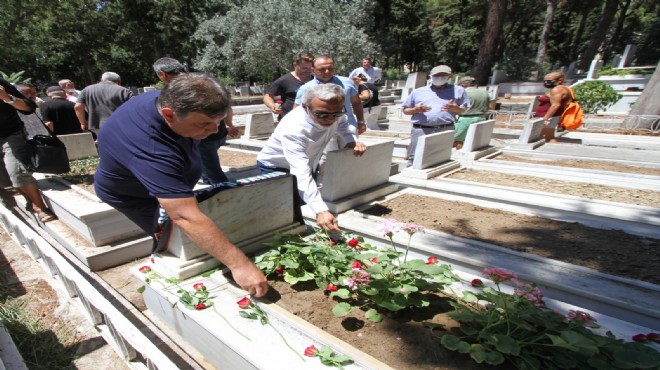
434, 108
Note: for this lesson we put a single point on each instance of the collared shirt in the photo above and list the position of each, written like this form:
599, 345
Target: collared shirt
372, 74
348, 86
436, 98
297, 144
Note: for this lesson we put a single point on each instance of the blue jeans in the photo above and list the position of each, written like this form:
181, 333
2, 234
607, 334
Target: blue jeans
211, 170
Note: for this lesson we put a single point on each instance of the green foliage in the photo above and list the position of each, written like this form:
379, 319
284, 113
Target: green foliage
498, 327
14, 77
595, 95
360, 276
284, 28
609, 71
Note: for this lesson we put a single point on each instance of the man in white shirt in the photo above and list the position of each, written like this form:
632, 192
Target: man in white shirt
372, 73
298, 142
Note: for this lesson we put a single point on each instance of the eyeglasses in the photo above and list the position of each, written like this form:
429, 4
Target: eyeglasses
324, 115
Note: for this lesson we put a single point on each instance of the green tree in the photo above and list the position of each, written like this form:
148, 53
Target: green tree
281, 28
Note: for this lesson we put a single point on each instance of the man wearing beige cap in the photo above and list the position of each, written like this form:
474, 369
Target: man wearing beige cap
434, 108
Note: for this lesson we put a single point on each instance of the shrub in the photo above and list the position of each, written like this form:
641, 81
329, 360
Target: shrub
595, 95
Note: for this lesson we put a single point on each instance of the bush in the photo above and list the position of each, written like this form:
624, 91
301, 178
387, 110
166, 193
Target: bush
595, 95
609, 71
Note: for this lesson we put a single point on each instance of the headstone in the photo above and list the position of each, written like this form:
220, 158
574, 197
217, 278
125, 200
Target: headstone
140, 90
79, 146
349, 181
616, 60
531, 131
244, 90
149, 88
571, 70
415, 80
382, 115
593, 69
371, 117
493, 91
432, 156
498, 76
477, 142
388, 84
259, 126
249, 215
628, 56
134, 90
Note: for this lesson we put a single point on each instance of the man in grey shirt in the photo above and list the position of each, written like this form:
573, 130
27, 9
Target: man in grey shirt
100, 100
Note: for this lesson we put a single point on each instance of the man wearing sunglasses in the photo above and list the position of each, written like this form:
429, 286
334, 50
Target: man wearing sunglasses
299, 140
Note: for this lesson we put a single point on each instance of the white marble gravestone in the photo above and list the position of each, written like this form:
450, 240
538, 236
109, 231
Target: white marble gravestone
244, 90
248, 215
259, 126
531, 131
349, 181
628, 56
432, 156
593, 69
415, 80
477, 142
79, 146
371, 117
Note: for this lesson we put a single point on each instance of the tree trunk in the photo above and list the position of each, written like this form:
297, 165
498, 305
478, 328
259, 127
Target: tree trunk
648, 102
543, 42
617, 32
598, 36
578, 36
489, 42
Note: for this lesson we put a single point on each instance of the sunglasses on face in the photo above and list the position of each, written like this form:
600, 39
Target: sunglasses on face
324, 115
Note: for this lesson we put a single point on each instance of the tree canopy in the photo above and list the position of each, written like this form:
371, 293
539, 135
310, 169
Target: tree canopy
255, 40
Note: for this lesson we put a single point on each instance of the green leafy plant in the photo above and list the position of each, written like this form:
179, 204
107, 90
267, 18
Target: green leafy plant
610, 71
496, 327
358, 274
15, 77
595, 95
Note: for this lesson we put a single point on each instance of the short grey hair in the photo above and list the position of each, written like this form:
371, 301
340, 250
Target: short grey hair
325, 92
168, 65
110, 76
195, 92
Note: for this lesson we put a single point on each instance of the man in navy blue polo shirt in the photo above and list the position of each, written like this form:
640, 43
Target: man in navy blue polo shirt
149, 156
434, 108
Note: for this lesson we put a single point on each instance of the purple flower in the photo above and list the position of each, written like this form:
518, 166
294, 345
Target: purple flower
580, 317
531, 293
390, 226
412, 228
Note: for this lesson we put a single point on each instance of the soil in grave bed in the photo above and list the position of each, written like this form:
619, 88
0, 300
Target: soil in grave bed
609, 251
400, 340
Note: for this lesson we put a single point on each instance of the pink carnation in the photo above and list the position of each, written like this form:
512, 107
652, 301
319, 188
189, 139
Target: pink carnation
580, 317
498, 275
412, 228
390, 226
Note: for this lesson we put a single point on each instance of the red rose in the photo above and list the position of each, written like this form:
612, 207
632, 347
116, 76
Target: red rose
199, 286
477, 283
640, 338
152, 260
279, 102
356, 265
244, 303
353, 242
431, 260
200, 306
279, 270
145, 269
374, 260
653, 336
333, 243
311, 351
331, 287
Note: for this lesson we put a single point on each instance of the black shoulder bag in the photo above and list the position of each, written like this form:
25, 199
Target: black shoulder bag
47, 154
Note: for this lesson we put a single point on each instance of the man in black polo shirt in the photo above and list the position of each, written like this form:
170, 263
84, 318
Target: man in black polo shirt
58, 113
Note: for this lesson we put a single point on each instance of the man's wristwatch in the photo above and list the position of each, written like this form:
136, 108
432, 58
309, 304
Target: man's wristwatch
360, 122
12, 99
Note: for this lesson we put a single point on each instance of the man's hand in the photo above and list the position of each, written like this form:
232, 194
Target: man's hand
362, 127
359, 149
421, 108
452, 107
232, 130
3, 94
327, 221
251, 279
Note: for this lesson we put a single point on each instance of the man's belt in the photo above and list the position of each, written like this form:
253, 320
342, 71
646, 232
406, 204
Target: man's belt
438, 126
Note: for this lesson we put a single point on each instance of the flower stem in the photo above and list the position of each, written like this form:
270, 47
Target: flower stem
230, 325
285, 342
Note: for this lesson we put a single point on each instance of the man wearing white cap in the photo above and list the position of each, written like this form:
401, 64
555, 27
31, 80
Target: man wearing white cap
434, 108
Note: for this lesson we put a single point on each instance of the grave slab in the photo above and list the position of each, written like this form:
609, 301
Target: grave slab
79, 146
477, 142
530, 138
248, 212
95, 221
259, 126
432, 156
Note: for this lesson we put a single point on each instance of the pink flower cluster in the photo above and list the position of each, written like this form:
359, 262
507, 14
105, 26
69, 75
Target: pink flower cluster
391, 226
358, 278
531, 293
580, 317
498, 275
